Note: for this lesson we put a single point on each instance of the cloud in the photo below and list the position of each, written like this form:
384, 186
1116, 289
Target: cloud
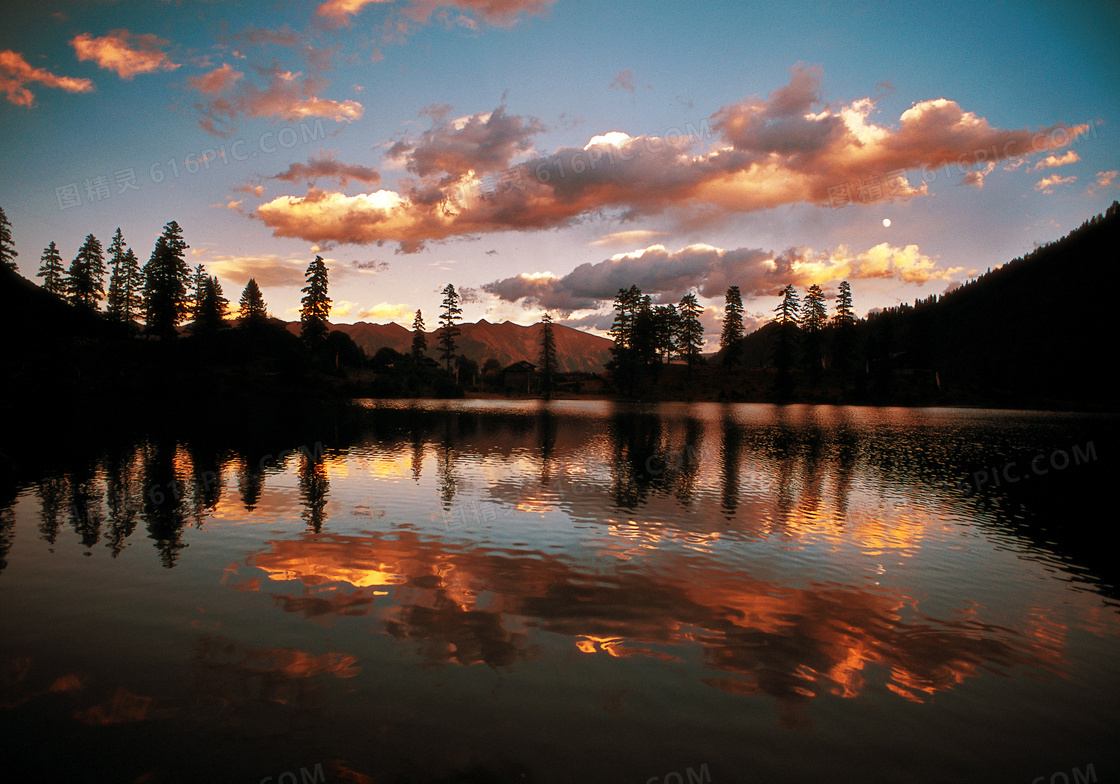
340, 11
785, 149
326, 166
976, 176
497, 12
267, 269
629, 237
1104, 180
386, 311
1054, 161
624, 81
124, 53
1047, 184
667, 276
479, 143
218, 80
287, 95
16, 73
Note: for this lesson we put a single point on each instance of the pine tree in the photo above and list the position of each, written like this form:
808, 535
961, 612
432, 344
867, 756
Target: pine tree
51, 271
84, 285
197, 291
732, 318
666, 322
690, 332
627, 331
844, 321
447, 323
316, 305
165, 283
122, 301
548, 355
813, 320
787, 311
419, 339
252, 309
212, 308
7, 249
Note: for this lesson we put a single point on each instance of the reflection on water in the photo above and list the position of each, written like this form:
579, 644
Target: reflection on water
571, 591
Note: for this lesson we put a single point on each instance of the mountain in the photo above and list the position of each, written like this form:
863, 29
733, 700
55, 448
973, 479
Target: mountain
506, 342
1039, 331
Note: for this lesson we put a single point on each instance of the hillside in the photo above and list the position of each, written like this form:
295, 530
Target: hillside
506, 342
1035, 332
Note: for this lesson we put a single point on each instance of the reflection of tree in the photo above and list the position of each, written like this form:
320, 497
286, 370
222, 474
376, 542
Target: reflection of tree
636, 447
85, 504
847, 451
250, 482
445, 466
731, 458
121, 497
206, 477
163, 500
7, 528
417, 437
52, 491
313, 489
687, 468
546, 430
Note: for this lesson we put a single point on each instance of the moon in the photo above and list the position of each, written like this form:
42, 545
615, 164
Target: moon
886, 223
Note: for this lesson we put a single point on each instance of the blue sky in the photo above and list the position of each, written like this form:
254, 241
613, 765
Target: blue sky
422, 143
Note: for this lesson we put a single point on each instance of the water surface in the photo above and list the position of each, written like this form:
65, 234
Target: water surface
574, 591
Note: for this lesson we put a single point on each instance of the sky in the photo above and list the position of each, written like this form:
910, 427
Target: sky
541, 154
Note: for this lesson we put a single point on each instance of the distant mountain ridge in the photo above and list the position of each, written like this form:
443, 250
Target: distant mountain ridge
506, 342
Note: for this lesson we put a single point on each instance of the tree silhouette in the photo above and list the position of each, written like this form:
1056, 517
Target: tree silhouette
252, 309
666, 322
732, 324
787, 311
197, 290
51, 271
123, 301
624, 363
690, 332
844, 321
316, 304
212, 309
7, 250
813, 320
165, 283
448, 329
84, 278
548, 355
419, 339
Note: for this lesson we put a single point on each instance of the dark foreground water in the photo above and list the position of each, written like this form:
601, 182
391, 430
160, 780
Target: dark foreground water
571, 592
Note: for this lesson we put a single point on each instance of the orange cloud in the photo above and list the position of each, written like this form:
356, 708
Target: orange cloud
1047, 184
16, 73
289, 96
326, 166
1054, 161
668, 276
340, 11
769, 153
216, 81
124, 53
1104, 180
498, 12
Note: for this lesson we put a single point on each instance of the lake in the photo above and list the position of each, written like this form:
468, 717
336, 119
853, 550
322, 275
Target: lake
499, 591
